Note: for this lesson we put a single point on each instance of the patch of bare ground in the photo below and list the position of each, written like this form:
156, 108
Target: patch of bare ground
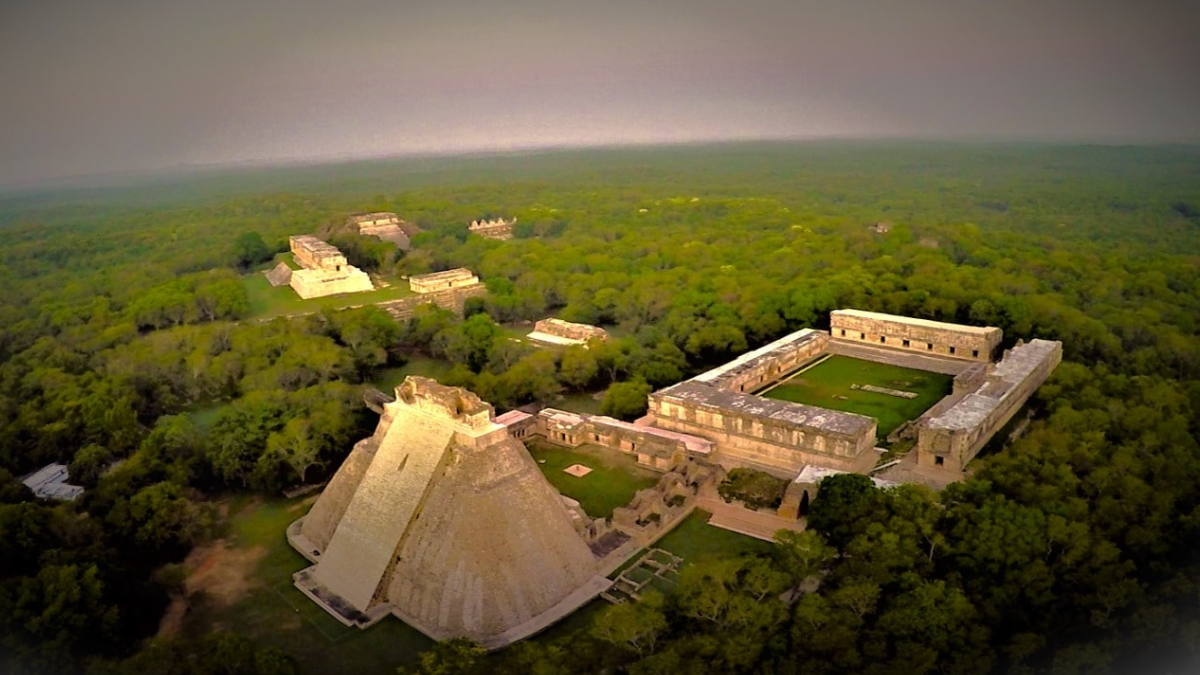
222, 573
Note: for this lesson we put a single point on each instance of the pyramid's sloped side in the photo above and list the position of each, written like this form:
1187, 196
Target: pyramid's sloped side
492, 548
388, 495
327, 511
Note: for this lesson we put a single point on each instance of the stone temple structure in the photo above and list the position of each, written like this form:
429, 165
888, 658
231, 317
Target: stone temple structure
783, 438
442, 519
559, 332
498, 228
325, 270
382, 225
434, 282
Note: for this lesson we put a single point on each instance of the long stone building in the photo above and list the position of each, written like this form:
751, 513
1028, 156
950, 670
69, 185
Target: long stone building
783, 438
442, 519
954, 436
559, 332
433, 282
325, 270
776, 436
918, 335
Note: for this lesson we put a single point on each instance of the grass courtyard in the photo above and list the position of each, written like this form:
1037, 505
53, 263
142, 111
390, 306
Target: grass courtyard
267, 301
828, 385
614, 479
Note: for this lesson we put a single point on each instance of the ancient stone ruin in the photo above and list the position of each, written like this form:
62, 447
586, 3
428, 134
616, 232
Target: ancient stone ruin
325, 270
441, 281
498, 228
784, 438
559, 332
442, 519
382, 225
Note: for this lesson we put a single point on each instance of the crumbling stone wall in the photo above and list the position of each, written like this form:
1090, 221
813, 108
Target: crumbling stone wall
498, 228
453, 299
952, 437
654, 448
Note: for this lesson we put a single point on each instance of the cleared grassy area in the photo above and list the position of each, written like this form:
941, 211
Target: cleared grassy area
695, 540
267, 301
270, 608
827, 385
613, 481
386, 379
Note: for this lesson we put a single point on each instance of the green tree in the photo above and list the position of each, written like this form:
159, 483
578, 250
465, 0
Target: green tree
249, 249
626, 400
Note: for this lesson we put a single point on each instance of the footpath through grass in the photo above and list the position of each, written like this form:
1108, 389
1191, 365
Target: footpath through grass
827, 385
614, 479
259, 565
268, 302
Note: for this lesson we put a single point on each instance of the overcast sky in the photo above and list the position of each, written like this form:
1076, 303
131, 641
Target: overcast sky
92, 86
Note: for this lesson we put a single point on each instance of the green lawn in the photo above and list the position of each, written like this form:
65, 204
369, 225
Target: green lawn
695, 540
267, 301
274, 612
827, 385
613, 481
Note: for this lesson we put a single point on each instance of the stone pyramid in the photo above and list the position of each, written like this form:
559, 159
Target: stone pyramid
443, 519
279, 275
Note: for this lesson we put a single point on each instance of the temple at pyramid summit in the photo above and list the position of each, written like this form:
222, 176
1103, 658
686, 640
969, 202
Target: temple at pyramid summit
442, 519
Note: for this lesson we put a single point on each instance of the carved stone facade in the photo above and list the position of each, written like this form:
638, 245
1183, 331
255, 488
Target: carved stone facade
557, 331
498, 228
443, 519
441, 281
918, 335
953, 437
453, 299
656, 448
325, 270
779, 437
381, 225
784, 438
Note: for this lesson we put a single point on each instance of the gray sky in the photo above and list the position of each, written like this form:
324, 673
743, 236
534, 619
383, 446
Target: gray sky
114, 85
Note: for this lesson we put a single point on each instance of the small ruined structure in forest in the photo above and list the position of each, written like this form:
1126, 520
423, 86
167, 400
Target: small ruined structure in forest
441, 281
325, 270
442, 519
498, 228
559, 332
382, 225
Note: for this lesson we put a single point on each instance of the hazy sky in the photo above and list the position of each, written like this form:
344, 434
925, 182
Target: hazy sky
112, 85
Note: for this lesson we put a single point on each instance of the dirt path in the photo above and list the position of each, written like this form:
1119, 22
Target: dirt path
222, 573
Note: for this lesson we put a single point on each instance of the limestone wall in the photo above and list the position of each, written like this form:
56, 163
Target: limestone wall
493, 229
755, 370
774, 436
313, 254
918, 335
575, 332
953, 437
453, 299
317, 283
655, 448
442, 281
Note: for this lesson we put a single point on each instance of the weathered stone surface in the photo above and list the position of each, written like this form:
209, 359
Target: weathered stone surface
441, 281
381, 225
279, 275
953, 436
325, 272
776, 436
450, 526
453, 299
557, 331
918, 335
498, 228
